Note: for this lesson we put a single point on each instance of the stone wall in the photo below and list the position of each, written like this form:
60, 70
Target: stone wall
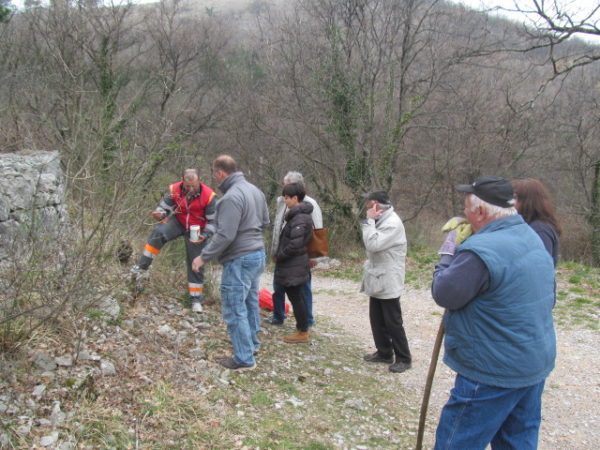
31, 197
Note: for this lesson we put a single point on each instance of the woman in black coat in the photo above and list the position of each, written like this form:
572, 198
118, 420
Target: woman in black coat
291, 259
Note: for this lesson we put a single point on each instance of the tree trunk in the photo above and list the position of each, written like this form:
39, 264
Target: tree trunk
595, 215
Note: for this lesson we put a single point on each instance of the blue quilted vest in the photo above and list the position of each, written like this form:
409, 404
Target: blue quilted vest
505, 337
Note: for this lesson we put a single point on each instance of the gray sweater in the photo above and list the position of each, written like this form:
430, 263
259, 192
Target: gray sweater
242, 217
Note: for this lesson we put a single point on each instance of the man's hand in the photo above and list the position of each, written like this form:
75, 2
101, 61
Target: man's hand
374, 213
460, 226
200, 240
157, 215
197, 263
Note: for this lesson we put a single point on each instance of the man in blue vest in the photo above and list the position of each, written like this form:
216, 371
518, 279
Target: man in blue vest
498, 290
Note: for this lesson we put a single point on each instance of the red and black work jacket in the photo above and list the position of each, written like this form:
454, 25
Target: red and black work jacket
191, 211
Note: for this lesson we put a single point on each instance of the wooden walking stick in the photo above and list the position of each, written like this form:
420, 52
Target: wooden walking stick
432, 365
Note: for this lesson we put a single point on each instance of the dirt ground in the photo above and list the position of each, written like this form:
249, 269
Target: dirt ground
571, 402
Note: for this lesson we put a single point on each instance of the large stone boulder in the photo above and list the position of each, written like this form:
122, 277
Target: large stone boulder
31, 197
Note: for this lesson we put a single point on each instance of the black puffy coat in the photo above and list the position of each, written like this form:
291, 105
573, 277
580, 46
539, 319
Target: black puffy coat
291, 267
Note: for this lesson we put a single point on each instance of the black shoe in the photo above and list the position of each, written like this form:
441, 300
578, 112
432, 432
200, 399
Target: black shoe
273, 321
376, 357
230, 364
400, 367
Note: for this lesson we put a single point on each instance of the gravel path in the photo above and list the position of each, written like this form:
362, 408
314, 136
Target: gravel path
571, 409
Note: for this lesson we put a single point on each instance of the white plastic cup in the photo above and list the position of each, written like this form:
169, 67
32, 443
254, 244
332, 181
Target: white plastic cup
194, 233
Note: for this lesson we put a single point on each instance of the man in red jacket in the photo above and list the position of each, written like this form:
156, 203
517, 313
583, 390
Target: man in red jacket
188, 203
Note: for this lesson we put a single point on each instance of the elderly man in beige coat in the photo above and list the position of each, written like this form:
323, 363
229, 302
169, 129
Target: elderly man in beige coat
383, 281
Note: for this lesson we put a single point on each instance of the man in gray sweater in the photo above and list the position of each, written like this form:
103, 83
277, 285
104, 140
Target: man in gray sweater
242, 217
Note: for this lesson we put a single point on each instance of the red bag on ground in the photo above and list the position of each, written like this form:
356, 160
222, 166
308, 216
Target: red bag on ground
265, 300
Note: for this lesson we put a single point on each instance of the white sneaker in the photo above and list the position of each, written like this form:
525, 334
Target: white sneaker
196, 307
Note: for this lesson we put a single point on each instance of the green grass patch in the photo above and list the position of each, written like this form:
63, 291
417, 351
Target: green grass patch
577, 305
351, 267
420, 263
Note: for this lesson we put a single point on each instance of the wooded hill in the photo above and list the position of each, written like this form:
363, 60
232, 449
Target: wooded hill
413, 96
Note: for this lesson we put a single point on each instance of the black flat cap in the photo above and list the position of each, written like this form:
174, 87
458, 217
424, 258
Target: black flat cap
379, 196
494, 190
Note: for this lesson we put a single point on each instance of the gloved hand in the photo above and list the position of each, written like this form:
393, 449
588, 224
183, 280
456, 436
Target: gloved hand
462, 228
448, 246
458, 229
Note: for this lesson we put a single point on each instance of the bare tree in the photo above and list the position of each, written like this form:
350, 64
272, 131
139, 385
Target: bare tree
352, 75
551, 26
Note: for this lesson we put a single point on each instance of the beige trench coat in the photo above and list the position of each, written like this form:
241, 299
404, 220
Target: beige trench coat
385, 242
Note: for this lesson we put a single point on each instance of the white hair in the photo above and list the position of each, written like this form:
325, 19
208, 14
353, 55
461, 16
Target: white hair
492, 210
294, 177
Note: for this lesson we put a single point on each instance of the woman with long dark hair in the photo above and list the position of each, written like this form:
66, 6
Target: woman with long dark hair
534, 203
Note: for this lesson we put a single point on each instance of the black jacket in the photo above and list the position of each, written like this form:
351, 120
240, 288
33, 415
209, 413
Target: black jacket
291, 267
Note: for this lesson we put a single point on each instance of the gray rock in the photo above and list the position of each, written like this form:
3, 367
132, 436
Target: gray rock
165, 330
107, 305
83, 355
49, 440
294, 401
355, 403
65, 360
107, 368
48, 376
325, 262
187, 324
68, 444
57, 417
4, 209
38, 391
44, 361
24, 429
38, 178
181, 336
197, 353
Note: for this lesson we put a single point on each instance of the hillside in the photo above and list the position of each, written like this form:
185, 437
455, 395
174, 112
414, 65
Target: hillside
150, 380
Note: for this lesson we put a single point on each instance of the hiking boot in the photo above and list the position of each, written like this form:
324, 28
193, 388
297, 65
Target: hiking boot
399, 367
196, 307
138, 278
377, 358
273, 321
137, 272
230, 364
298, 337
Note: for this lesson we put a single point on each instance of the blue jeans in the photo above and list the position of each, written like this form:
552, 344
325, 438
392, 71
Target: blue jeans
239, 304
279, 302
477, 415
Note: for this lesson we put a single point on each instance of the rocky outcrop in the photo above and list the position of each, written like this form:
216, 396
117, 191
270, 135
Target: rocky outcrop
31, 197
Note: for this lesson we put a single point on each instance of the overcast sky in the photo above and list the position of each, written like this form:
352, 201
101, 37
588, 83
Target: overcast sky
574, 8
570, 5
